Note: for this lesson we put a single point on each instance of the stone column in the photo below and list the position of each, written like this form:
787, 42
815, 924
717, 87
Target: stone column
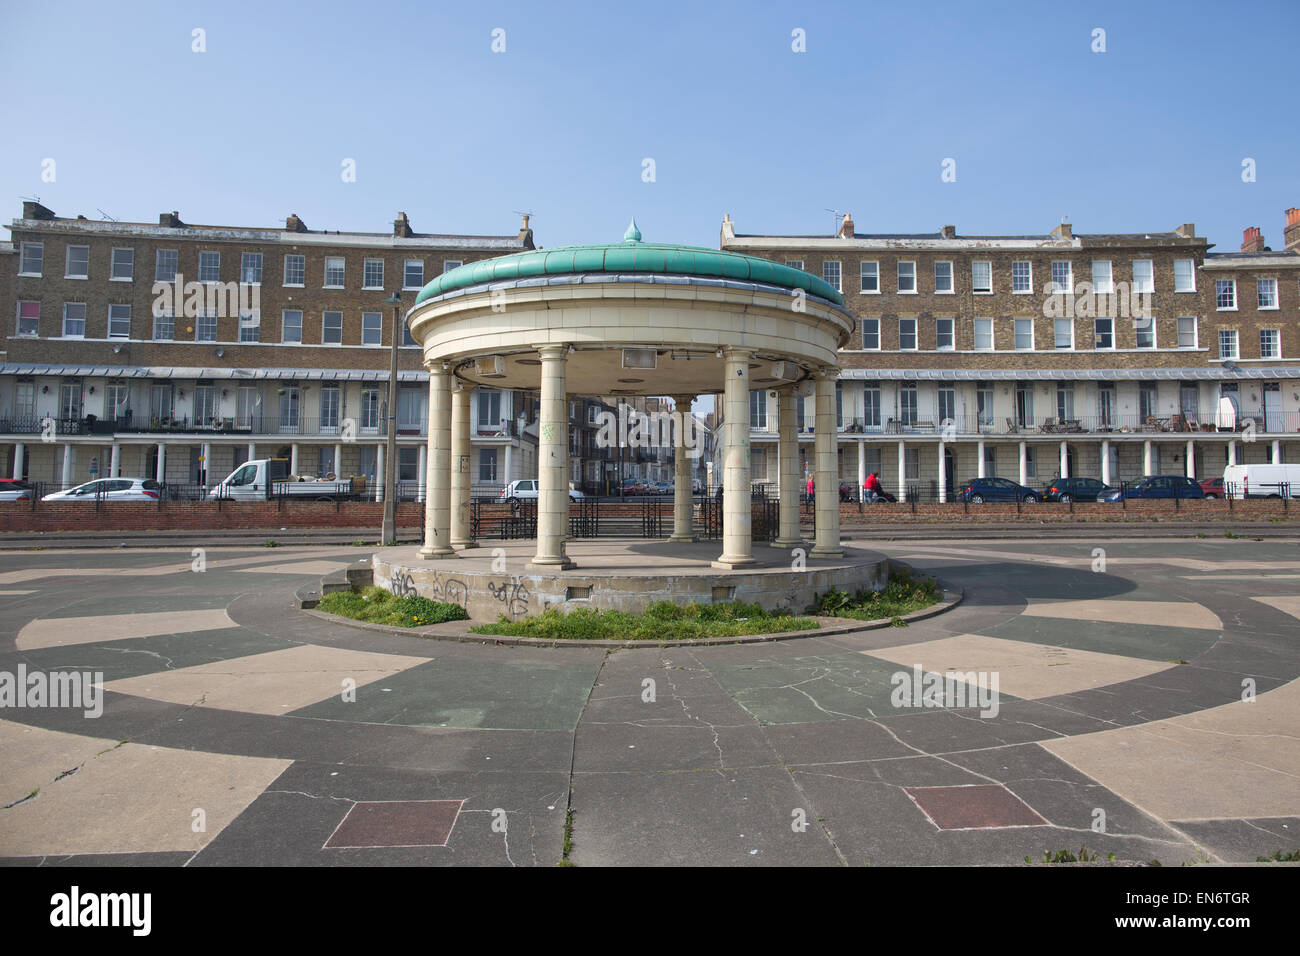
827, 544
683, 523
979, 466
1105, 461
161, 475
293, 460
20, 453
379, 473
787, 429
338, 461
115, 460
862, 466
1191, 458
552, 463
902, 471
1232, 453
507, 466
437, 500
66, 478
252, 451
1065, 460
943, 472
737, 539
460, 469
422, 471
1024, 464
1277, 451
1146, 458
206, 465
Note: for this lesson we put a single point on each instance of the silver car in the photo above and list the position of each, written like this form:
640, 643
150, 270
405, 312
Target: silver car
111, 489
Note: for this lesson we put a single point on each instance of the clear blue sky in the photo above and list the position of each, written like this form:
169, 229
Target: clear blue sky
1147, 135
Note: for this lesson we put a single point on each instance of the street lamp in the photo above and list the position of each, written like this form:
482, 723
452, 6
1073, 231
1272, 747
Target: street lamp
388, 531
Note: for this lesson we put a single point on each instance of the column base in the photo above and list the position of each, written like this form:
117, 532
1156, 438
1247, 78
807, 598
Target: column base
728, 562
463, 545
684, 539
434, 554
548, 565
790, 543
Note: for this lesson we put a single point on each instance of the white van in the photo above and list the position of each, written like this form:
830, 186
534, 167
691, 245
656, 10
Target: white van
1262, 481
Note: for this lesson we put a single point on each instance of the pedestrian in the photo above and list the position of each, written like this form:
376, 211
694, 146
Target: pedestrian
812, 487
872, 487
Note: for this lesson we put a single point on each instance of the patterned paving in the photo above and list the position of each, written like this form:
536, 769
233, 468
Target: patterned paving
1162, 693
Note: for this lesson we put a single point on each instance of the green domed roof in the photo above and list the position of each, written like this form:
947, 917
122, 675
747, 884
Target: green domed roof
629, 256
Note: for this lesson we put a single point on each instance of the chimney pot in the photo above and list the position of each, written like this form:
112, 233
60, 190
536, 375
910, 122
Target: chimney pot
949, 232
846, 227
1252, 240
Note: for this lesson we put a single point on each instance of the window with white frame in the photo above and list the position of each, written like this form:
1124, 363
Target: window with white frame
943, 334
1187, 332
906, 277
123, 265
1144, 276
1184, 275
413, 274
1062, 277
831, 274
205, 326
1225, 295
1022, 277
981, 278
1266, 293
295, 271
369, 408
372, 328
947, 404
908, 403
250, 326
1227, 343
250, 268
74, 320
1024, 329
70, 401
164, 325
291, 326
795, 264
907, 334
983, 335
164, 265
78, 263
1064, 401
870, 276
449, 264
758, 409
330, 403
1103, 328
871, 405
334, 272
209, 267
1102, 281
1270, 344
372, 274
31, 259
331, 328
943, 277
984, 404
29, 318
1144, 330
205, 404
487, 464
912, 464
871, 333
119, 321
1063, 333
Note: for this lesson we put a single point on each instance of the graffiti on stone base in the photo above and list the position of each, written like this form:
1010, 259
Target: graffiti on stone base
402, 586
452, 590
513, 594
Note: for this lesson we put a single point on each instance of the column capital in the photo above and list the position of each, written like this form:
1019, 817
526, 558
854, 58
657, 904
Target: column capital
552, 352
736, 352
440, 366
827, 373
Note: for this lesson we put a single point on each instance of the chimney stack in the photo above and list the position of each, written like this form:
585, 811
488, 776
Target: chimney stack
1291, 233
1064, 231
34, 210
170, 220
402, 227
294, 224
846, 227
1252, 240
949, 232
728, 229
1187, 230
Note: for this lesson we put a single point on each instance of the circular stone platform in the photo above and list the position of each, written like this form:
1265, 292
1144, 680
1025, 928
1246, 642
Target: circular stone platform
623, 574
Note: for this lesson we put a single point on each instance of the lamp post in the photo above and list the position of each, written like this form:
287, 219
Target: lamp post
388, 531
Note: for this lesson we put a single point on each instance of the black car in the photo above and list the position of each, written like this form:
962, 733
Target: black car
1158, 486
1074, 489
979, 490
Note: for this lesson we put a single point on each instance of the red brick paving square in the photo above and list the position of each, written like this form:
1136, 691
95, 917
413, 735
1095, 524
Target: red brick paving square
392, 823
962, 808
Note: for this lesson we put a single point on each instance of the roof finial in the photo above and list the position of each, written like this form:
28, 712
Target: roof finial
633, 234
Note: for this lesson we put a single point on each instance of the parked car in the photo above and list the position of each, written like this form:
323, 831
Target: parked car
979, 490
15, 489
1074, 489
632, 486
525, 489
662, 487
1262, 481
1158, 486
1213, 487
111, 489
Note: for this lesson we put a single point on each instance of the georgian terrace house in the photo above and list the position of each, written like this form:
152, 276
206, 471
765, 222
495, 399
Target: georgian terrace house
1059, 354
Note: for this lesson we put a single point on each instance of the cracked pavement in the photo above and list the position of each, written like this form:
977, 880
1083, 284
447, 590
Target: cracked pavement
1149, 709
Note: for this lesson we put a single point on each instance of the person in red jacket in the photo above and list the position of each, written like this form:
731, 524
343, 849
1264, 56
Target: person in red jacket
872, 487
812, 486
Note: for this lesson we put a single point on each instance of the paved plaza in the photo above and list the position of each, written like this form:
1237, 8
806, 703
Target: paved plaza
1147, 706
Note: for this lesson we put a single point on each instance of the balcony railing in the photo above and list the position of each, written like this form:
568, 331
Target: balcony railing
1272, 423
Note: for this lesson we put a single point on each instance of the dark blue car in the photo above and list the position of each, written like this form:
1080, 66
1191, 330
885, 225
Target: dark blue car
1159, 486
979, 490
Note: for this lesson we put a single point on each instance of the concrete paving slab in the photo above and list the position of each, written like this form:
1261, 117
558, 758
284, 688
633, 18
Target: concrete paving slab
63, 631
